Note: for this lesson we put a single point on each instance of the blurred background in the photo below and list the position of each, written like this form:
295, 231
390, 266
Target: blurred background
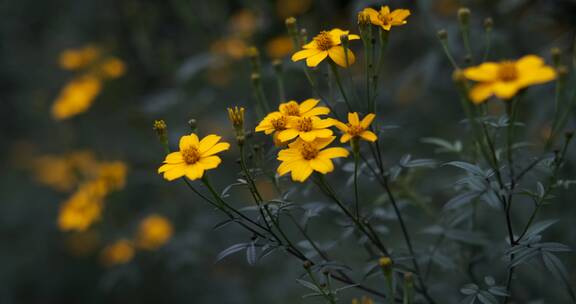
82, 82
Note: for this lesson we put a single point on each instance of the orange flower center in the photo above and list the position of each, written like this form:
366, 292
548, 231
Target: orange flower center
324, 41
308, 151
304, 124
191, 155
279, 124
355, 130
508, 71
385, 19
292, 109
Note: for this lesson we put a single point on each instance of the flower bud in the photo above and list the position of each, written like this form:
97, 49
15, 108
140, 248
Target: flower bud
236, 116
193, 124
363, 18
277, 65
562, 71
464, 16
488, 24
307, 264
442, 34
254, 55
161, 131
458, 76
556, 55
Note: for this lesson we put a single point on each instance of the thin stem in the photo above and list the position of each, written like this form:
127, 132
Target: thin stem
356, 194
488, 41
448, 54
340, 86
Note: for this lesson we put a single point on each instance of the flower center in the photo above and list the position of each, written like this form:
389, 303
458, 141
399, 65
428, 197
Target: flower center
355, 130
324, 41
292, 109
191, 155
304, 124
508, 71
308, 151
279, 124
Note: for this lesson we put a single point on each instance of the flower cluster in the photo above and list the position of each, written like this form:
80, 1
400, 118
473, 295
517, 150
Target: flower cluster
93, 67
302, 123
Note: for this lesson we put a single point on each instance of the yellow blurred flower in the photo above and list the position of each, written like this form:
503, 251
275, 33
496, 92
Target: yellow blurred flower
119, 252
76, 97
112, 68
279, 47
287, 8
113, 174
55, 172
195, 156
234, 48
504, 79
301, 158
356, 128
363, 300
243, 23
73, 59
326, 44
386, 18
153, 232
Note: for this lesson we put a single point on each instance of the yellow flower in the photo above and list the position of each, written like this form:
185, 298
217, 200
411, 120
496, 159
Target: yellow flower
301, 158
385, 18
504, 79
112, 68
76, 97
356, 128
195, 156
73, 59
153, 232
83, 208
364, 300
307, 128
119, 252
279, 47
236, 116
326, 44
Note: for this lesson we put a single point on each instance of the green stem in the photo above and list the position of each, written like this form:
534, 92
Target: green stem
340, 86
356, 162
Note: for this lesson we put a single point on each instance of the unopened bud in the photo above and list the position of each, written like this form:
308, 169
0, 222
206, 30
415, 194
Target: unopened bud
569, 134
363, 18
162, 132
277, 65
304, 34
307, 264
236, 116
458, 76
488, 24
408, 277
442, 34
254, 55
385, 261
193, 124
562, 72
464, 16
556, 55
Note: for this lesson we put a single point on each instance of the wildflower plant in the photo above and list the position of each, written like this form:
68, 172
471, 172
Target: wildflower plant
497, 173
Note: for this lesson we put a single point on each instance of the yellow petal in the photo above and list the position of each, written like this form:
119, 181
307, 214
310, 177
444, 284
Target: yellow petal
365, 123
174, 158
285, 167
301, 171
175, 173
167, 167
485, 72
195, 171
398, 16
353, 119
316, 112
369, 136
385, 10
333, 153
304, 54
188, 141
353, 37
337, 55
322, 123
308, 136
210, 162
505, 90
481, 91
217, 148
529, 63
308, 104
321, 143
313, 61
322, 133
287, 135
335, 35
538, 76
340, 125
345, 137
208, 142
322, 165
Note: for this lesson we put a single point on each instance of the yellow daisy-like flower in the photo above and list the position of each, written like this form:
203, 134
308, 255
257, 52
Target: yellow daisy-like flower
273, 122
326, 44
305, 109
504, 79
195, 156
301, 158
386, 18
307, 128
153, 232
119, 252
356, 128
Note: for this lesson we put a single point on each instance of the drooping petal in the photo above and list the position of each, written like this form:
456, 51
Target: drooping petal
487, 71
174, 158
337, 55
333, 153
353, 119
340, 125
345, 137
367, 120
167, 167
195, 171
322, 165
321, 143
304, 54
369, 136
481, 91
284, 167
188, 141
287, 135
353, 37
210, 162
217, 148
316, 112
301, 171
175, 173
308, 104
313, 61
399, 16
208, 142
505, 90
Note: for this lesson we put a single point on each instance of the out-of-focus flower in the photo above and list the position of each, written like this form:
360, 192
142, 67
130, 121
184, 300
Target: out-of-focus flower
233, 48
386, 18
195, 156
243, 23
153, 232
112, 68
504, 79
301, 158
119, 252
287, 8
363, 300
73, 59
306, 128
279, 47
113, 174
55, 172
76, 97
327, 44
356, 128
